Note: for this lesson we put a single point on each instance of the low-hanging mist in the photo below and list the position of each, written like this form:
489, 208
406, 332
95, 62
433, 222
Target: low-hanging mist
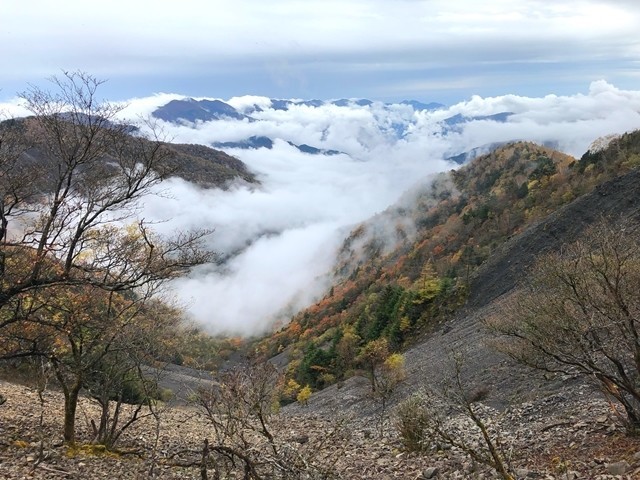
279, 239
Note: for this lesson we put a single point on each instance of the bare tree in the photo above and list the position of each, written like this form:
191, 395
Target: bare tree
85, 173
388, 379
454, 416
245, 441
579, 313
77, 265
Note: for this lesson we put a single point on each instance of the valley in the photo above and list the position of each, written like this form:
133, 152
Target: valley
397, 361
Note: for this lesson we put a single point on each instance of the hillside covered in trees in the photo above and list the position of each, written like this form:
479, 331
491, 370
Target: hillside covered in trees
195, 163
410, 269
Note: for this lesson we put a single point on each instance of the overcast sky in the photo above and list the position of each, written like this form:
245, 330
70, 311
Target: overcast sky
430, 50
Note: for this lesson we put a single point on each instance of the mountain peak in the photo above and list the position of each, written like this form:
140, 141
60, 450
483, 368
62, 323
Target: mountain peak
192, 110
601, 143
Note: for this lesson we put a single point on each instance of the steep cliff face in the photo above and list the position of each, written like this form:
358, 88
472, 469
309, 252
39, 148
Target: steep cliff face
502, 271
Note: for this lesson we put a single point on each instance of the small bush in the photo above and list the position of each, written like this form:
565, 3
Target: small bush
412, 424
304, 395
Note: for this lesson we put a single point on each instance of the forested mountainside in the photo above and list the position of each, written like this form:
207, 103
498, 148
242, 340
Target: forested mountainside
401, 292
206, 166
195, 163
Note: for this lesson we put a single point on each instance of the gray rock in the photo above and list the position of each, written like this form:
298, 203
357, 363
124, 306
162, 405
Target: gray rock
301, 439
618, 468
525, 473
431, 472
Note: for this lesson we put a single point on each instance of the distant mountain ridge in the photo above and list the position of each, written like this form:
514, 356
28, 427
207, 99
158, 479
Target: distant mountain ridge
422, 106
254, 142
393, 120
192, 110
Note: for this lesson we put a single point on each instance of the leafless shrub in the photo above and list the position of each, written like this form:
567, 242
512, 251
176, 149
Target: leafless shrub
412, 424
579, 313
453, 417
246, 440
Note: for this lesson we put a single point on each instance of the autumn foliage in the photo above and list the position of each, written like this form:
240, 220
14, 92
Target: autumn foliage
398, 293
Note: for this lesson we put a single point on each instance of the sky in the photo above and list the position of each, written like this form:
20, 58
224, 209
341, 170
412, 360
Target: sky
428, 50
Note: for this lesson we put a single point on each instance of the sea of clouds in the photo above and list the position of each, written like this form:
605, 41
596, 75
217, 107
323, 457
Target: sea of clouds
279, 238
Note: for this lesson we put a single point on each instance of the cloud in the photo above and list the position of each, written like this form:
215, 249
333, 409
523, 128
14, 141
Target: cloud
570, 123
281, 238
272, 280
12, 108
318, 46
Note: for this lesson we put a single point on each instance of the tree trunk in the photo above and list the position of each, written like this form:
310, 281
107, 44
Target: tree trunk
633, 417
204, 459
629, 398
101, 431
70, 406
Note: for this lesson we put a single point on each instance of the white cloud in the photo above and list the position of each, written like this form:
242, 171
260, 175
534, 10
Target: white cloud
283, 234
12, 108
277, 276
571, 122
